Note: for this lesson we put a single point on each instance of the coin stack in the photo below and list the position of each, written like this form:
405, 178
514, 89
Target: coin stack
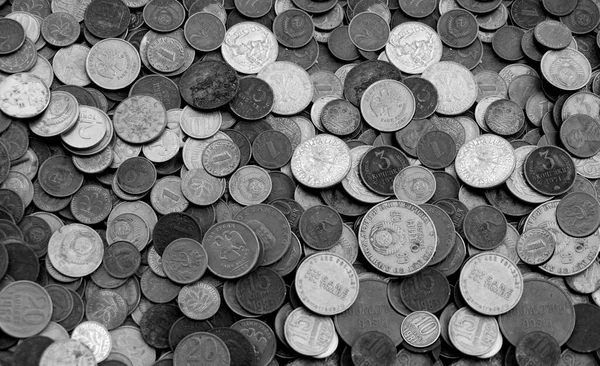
299, 182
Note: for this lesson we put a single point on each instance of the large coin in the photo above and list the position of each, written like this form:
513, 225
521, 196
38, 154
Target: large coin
471, 333
291, 86
69, 352
321, 162
75, 250
113, 64
308, 334
485, 162
413, 47
566, 69
205, 346
25, 309
456, 86
397, 237
23, 95
387, 105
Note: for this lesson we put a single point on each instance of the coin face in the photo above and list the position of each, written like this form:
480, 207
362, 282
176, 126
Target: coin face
60, 115
307, 333
96, 337
413, 47
249, 46
414, 184
321, 161
394, 249
517, 183
26, 309
485, 162
352, 182
420, 329
291, 86
219, 80
387, 105
549, 162
208, 344
140, 119
582, 225
536, 246
199, 301
184, 261
469, 339
113, 64
455, 84
566, 69
23, 96
68, 352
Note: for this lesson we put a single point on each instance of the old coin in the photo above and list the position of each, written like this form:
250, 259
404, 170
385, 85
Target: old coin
254, 99
485, 162
107, 18
436, 149
156, 324
291, 86
321, 161
320, 227
549, 170
184, 261
536, 246
555, 65
586, 320
379, 166
219, 81
241, 350
23, 95
585, 282
455, 84
504, 117
272, 149
136, 175
26, 309
412, 47
23, 263
238, 48
60, 29
421, 329
373, 348
113, 64
198, 124
199, 301
75, 250
517, 183
140, 119
261, 336
204, 31
326, 284
212, 350
14, 34
68, 352
30, 350
414, 184
174, 226
457, 28
121, 259
250, 185
91, 204
538, 347
106, 307
293, 28
387, 105
232, 248
485, 227
577, 135
261, 292
202, 188
96, 337
578, 214
384, 243
308, 334
368, 31
471, 333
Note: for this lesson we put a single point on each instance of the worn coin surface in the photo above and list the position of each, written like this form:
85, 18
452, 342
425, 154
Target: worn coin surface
471, 333
456, 86
421, 329
23, 95
75, 250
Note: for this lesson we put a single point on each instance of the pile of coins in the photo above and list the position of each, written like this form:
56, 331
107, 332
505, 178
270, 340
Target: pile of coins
299, 182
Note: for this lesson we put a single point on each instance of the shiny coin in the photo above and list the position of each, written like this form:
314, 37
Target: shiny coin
536, 246
75, 250
113, 64
491, 284
387, 105
291, 86
414, 184
250, 185
308, 334
326, 284
321, 162
23, 96
239, 50
402, 48
140, 119
421, 329
455, 85
89, 129
199, 301
556, 65
96, 337
471, 333
62, 113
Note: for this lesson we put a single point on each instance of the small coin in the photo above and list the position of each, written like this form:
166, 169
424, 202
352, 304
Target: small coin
308, 334
60, 29
320, 227
504, 117
96, 337
536, 246
455, 84
140, 119
368, 31
128, 227
107, 18
91, 204
485, 227
421, 329
184, 261
121, 259
578, 214
136, 175
14, 34
379, 166
106, 307
457, 28
585, 322
272, 149
427, 290
199, 301
506, 43
238, 47
436, 149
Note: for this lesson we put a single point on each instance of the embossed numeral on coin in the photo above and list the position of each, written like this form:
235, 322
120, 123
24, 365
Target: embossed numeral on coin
205, 351
83, 129
436, 149
380, 155
272, 150
550, 160
426, 325
170, 195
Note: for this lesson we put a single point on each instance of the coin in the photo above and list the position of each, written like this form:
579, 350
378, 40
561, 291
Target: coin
199, 301
556, 63
220, 84
536, 246
113, 63
239, 51
578, 215
14, 34
485, 161
402, 53
210, 346
121, 259
26, 309
23, 96
475, 341
68, 352
363, 350
291, 86
140, 119
261, 292
455, 84
75, 250
575, 133
184, 261
368, 31
96, 337
380, 105
308, 334
272, 149
420, 329
107, 18
485, 227
554, 165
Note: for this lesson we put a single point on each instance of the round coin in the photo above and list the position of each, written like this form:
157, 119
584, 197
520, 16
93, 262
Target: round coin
219, 84
121, 259
420, 329
538, 348
455, 84
184, 261
471, 333
25, 309
549, 170
75, 250
387, 105
321, 161
23, 95
536, 246
578, 214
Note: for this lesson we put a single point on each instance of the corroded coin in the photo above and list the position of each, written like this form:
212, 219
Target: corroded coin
387, 105
243, 40
25, 309
75, 250
420, 329
578, 214
326, 284
413, 47
395, 249
113, 64
140, 119
219, 84
471, 333
184, 261
23, 95
308, 334
491, 284
455, 84
486, 161
373, 348
536, 246
415, 184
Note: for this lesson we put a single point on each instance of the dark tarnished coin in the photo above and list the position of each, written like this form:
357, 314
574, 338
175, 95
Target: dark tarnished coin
29, 351
3, 261
379, 166
559, 7
426, 96
558, 319
261, 292
23, 263
136, 175
12, 35
580, 135
444, 228
185, 326
485, 227
293, 28
204, 31
320, 227
553, 34
4, 162
527, 13
209, 84
364, 74
36, 234
9, 230
587, 322
457, 28
158, 289
174, 226
209, 345
91, 204
374, 348
60, 29
160, 87
504, 117
76, 315
292, 211
340, 117
340, 45
368, 31
261, 336
240, 349
254, 99
549, 170
107, 18
184, 261
436, 149
507, 43
272, 149
584, 18
164, 15
578, 214
272, 229
479, 7
455, 209
408, 138
283, 186
106, 307
62, 302
58, 176
538, 348
532, 48
242, 143
121, 259
156, 324
426, 290
536, 246
15, 139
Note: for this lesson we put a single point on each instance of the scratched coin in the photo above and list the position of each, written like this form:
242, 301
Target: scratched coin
96, 337
321, 161
23, 95
456, 86
140, 119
